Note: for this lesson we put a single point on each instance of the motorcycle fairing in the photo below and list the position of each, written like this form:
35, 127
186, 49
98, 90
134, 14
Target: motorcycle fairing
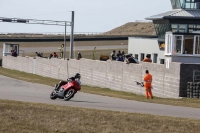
61, 92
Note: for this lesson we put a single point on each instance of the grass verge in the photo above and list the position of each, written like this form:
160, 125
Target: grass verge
100, 91
22, 117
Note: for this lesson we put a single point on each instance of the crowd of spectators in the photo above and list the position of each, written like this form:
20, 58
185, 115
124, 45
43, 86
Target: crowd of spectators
118, 57
128, 58
54, 55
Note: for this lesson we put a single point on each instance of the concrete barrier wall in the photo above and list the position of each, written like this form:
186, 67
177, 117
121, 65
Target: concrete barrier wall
111, 74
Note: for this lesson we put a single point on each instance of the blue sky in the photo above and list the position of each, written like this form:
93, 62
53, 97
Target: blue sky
90, 15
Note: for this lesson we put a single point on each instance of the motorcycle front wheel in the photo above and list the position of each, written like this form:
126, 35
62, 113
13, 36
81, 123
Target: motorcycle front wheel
53, 95
69, 94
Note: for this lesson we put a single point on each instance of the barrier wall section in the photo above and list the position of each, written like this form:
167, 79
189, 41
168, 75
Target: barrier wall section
110, 74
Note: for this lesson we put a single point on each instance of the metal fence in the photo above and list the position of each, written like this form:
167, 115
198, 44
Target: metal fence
196, 75
53, 33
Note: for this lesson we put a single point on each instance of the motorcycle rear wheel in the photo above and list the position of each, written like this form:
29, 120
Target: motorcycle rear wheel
53, 95
69, 94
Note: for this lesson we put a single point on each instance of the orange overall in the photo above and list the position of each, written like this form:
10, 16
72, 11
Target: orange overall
147, 85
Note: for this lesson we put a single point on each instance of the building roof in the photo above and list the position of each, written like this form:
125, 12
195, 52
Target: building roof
177, 14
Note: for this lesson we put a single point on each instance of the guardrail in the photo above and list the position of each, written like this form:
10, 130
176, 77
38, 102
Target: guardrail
52, 33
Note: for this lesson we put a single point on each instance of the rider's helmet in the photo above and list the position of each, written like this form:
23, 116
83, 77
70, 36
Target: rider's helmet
77, 76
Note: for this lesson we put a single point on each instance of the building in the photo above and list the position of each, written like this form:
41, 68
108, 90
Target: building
178, 35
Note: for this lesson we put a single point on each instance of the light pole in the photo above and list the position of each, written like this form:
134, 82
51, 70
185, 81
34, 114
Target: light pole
72, 36
48, 22
65, 41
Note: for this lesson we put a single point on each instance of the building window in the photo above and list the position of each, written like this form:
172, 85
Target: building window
182, 45
197, 45
178, 45
179, 28
185, 4
155, 56
193, 27
162, 61
174, 44
142, 57
136, 56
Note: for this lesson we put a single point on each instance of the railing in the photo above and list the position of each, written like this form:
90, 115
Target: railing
196, 75
52, 33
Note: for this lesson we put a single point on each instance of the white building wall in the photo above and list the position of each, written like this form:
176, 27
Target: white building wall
137, 45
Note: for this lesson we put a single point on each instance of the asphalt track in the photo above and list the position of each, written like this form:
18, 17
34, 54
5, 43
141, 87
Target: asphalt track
76, 48
13, 89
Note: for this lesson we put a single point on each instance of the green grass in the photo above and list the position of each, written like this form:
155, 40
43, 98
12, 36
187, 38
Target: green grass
101, 91
23, 117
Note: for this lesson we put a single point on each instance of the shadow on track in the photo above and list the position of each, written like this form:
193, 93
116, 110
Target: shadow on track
83, 101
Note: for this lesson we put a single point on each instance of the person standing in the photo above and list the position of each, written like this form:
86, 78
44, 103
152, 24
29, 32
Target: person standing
147, 84
113, 57
123, 53
79, 56
94, 53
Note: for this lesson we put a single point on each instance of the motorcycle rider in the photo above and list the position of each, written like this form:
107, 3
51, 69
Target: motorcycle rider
77, 77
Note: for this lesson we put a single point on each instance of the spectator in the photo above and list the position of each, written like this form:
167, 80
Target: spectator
147, 84
119, 53
15, 53
94, 53
119, 58
123, 53
147, 59
12, 52
51, 55
130, 59
113, 57
79, 56
38, 54
55, 55
185, 51
177, 51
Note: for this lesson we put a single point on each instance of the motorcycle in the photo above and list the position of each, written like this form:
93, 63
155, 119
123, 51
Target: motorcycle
66, 91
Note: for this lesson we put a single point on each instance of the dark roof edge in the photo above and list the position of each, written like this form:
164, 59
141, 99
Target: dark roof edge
178, 17
143, 36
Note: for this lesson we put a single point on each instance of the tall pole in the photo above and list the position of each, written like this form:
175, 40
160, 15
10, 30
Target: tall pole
72, 36
65, 40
